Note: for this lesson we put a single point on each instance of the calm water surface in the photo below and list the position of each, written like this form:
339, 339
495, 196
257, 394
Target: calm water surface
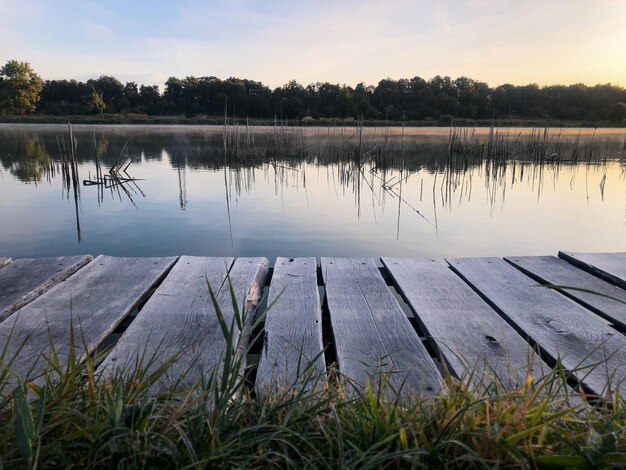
307, 192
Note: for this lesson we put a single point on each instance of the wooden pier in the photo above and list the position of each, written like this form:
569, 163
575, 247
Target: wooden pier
416, 319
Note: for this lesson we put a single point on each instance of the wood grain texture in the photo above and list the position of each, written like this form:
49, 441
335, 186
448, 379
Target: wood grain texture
372, 333
26, 279
179, 326
4, 262
89, 305
586, 345
472, 338
609, 266
555, 271
292, 343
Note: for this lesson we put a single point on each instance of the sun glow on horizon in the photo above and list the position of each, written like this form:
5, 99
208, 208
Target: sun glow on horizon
496, 41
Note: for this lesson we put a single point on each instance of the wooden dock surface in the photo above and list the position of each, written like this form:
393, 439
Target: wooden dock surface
415, 320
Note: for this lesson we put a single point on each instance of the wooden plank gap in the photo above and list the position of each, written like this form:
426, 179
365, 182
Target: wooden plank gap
372, 334
471, 339
602, 298
28, 278
93, 302
179, 327
609, 266
592, 351
293, 356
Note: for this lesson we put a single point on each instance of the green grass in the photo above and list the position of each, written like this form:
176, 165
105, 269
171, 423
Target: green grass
75, 417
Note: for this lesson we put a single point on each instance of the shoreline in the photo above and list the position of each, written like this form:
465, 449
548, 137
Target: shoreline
140, 119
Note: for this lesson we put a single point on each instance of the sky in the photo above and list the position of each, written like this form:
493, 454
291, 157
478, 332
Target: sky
340, 41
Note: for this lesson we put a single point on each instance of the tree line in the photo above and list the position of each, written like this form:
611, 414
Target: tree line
439, 98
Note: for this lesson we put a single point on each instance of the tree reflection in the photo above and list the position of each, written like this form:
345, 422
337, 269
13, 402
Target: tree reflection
26, 158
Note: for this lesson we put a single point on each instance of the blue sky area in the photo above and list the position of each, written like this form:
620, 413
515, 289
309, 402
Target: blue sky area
341, 41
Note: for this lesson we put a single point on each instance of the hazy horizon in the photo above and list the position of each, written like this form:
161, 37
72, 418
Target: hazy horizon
497, 41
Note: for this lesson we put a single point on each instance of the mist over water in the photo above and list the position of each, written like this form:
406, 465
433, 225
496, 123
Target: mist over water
336, 191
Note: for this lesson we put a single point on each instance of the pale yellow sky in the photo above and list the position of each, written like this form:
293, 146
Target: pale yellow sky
497, 41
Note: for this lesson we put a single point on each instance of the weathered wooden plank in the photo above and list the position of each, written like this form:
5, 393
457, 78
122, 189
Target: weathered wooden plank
554, 271
609, 266
88, 305
4, 262
372, 333
26, 279
178, 327
593, 351
292, 344
473, 339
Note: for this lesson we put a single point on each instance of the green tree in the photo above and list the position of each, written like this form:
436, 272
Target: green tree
618, 112
20, 88
97, 102
110, 89
149, 99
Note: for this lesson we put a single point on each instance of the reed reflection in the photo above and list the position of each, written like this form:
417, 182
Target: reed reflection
416, 175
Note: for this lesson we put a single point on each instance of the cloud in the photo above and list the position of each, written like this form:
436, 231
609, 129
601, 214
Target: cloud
441, 17
340, 41
98, 32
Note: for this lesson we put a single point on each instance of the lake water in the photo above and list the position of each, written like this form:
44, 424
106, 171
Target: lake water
309, 192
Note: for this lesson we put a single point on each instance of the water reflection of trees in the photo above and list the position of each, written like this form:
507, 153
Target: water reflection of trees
26, 158
374, 166
207, 150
